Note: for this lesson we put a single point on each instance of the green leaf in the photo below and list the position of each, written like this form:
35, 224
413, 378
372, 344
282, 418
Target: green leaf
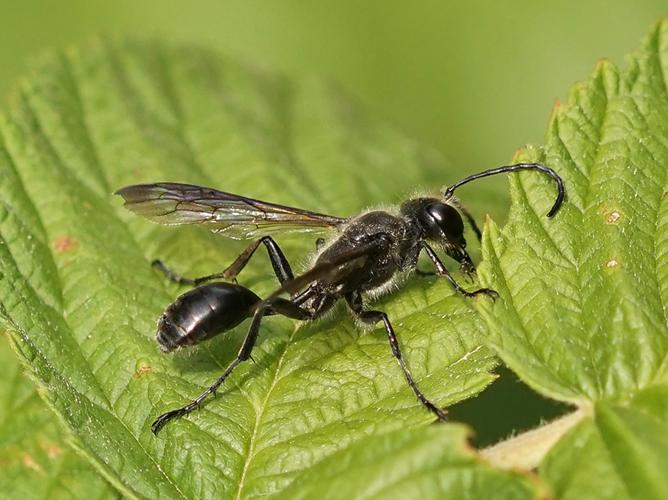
621, 453
584, 294
582, 316
579, 466
418, 463
36, 461
80, 299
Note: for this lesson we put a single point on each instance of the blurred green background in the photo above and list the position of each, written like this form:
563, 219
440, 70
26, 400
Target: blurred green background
474, 79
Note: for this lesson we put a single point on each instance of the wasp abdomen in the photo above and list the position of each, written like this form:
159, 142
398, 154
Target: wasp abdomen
203, 312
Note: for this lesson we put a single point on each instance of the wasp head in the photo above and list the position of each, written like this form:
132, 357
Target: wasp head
441, 223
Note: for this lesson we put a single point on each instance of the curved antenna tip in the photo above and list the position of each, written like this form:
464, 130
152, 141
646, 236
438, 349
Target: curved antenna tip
561, 192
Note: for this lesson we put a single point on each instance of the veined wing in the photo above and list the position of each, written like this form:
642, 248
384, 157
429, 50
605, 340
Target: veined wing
233, 215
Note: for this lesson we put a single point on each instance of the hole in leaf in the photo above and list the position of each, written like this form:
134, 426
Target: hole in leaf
613, 217
507, 407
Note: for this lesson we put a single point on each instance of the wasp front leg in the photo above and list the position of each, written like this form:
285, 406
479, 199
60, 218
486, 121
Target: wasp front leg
442, 271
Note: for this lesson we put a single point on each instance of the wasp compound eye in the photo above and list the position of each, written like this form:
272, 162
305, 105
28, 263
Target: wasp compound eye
447, 219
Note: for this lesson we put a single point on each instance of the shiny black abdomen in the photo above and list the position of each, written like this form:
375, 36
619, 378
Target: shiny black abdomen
203, 312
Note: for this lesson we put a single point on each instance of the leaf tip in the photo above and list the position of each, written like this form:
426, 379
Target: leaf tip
519, 153
490, 229
602, 63
554, 114
489, 245
661, 26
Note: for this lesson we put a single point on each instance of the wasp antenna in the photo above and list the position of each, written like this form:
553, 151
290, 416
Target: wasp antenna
561, 192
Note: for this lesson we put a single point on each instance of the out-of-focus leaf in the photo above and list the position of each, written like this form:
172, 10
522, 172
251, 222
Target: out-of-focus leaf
36, 461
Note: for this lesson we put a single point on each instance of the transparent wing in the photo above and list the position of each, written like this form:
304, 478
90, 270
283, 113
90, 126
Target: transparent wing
233, 215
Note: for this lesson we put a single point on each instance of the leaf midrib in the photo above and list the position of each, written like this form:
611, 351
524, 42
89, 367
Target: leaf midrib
276, 378
259, 414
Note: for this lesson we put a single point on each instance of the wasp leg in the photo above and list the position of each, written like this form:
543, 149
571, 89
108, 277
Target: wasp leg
354, 301
276, 306
171, 275
278, 260
442, 271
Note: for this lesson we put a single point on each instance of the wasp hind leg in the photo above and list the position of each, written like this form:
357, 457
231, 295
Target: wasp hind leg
277, 306
171, 275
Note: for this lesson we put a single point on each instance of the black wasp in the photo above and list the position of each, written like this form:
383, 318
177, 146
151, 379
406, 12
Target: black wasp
363, 258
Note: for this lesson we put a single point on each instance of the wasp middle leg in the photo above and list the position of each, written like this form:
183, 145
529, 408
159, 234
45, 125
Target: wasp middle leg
354, 301
279, 263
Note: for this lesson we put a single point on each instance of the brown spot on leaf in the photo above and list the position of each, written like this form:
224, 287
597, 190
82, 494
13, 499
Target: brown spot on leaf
64, 243
142, 370
51, 449
30, 463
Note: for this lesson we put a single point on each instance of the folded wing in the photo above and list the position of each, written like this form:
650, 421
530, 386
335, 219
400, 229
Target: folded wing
235, 216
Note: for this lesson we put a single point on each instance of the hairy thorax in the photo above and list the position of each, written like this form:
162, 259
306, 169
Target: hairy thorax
375, 270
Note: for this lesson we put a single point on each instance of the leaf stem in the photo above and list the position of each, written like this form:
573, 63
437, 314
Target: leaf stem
527, 450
